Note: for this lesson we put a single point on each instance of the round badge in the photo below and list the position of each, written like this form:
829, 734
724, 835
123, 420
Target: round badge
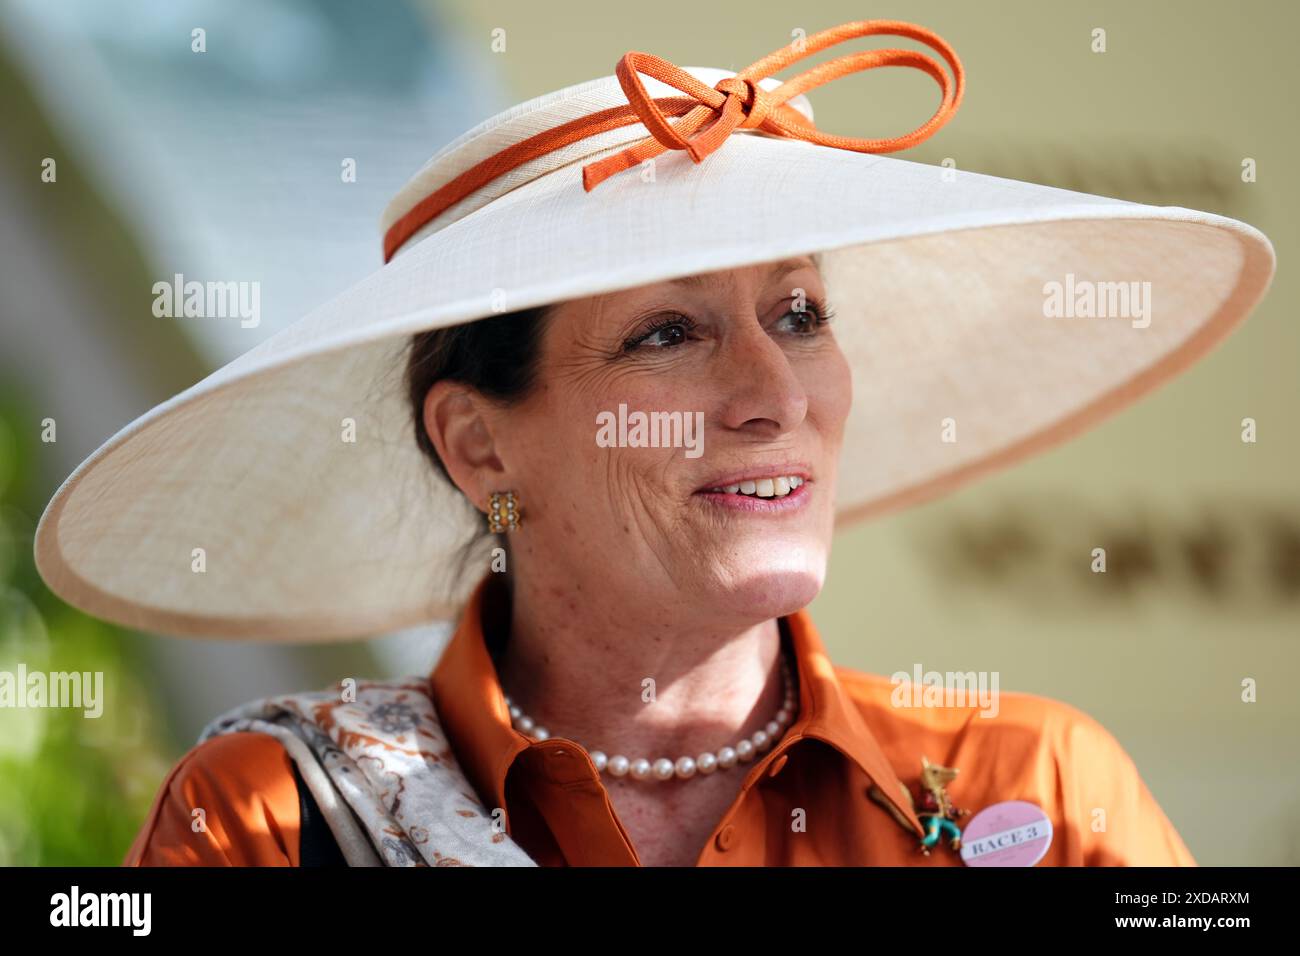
1014, 833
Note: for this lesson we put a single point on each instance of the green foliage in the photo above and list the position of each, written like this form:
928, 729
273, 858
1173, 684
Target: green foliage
74, 790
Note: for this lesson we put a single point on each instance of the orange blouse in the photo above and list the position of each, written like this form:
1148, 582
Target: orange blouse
846, 736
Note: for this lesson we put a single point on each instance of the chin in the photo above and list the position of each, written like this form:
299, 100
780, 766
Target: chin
767, 587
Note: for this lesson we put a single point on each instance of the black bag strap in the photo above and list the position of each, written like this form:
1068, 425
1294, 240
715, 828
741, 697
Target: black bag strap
316, 843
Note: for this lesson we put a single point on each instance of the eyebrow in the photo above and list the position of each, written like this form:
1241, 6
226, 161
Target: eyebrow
712, 278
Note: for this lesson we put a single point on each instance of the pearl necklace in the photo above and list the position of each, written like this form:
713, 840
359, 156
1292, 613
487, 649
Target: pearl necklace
683, 767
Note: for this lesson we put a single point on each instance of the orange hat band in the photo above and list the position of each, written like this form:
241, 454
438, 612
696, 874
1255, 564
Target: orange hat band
737, 102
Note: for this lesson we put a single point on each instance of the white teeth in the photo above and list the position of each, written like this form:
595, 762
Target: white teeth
777, 487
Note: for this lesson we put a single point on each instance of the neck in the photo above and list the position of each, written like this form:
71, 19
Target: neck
578, 661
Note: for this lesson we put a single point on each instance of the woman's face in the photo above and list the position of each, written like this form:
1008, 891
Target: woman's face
745, 355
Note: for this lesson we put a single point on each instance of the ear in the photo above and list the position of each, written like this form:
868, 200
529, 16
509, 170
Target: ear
455, 417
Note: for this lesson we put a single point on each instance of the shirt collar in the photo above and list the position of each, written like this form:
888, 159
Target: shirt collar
472, 709
828, 713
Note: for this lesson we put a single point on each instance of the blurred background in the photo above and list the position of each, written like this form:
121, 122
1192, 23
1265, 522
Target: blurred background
128, 155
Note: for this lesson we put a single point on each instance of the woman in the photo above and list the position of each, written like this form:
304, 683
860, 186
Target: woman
659, 442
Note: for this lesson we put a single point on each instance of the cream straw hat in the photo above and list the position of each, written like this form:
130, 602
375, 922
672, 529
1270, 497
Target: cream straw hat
1016, 313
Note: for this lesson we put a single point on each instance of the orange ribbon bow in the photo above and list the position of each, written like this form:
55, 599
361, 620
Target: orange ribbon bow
737, 102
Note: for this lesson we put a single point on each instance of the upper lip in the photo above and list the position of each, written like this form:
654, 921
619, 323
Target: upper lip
756, 472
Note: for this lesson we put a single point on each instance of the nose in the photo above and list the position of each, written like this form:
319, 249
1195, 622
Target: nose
759, 388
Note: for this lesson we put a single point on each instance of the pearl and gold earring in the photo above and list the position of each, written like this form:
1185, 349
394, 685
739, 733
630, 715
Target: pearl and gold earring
503, 512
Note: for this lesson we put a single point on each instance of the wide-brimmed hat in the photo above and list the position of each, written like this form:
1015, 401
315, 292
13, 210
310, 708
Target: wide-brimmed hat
984, 319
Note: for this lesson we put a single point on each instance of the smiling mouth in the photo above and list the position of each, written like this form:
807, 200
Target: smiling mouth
773, 486
762, 495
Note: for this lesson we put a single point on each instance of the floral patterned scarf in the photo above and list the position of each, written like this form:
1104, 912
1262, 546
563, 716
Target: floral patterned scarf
382, 771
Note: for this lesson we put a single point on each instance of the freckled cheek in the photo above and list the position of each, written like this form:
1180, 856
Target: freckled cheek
830, 396
830, 399
553, 448
631, 479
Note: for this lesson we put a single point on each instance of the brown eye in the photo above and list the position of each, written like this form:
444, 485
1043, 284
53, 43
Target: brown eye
663, 334
802, 323
808, 321
669, 335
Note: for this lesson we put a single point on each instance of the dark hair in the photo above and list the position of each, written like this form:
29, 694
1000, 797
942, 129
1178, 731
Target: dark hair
497, 356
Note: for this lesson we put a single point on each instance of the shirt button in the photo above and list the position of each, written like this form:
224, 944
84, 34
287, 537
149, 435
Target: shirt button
725, 838
563, 765
777, 764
